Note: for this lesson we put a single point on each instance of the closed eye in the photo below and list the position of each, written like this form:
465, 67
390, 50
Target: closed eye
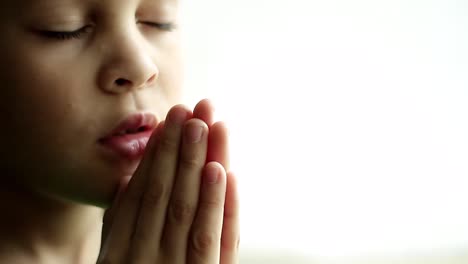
65, 35
161, 26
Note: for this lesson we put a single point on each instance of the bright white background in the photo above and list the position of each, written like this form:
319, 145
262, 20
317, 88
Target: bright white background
348, 119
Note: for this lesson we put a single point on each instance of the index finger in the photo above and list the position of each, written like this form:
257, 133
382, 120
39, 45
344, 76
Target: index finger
124, 214
218, 145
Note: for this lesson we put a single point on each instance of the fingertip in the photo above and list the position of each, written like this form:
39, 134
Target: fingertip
160, 127
178, 114
204, 110
204, 101
222, 127
214, 172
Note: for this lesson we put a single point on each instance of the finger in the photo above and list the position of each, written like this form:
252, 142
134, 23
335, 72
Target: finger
218, 145
184, 199
230, 237
205, 236
124, 182
109, 214
119, 223
153, 206
204, 111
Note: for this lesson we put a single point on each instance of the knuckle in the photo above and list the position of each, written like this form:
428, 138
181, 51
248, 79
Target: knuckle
231, 244
191, 161
153, 196
141, 236
182, 212
168, 143
212, 204
202, 242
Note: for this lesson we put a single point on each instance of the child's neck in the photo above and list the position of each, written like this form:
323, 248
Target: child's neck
42, 230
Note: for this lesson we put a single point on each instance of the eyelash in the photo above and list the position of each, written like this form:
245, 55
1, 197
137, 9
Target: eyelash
66, 35
161, 26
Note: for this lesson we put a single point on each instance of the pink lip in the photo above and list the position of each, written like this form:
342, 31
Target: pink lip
130, 137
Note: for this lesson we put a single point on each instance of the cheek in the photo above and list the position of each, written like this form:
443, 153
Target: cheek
171, 74
40, 105
49, 147
35, 100
38, 130
47, 105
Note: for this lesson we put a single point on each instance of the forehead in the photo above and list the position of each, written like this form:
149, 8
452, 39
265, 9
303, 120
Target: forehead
45, 5
27, 9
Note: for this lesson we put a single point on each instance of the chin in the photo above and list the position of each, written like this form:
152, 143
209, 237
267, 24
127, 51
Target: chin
87, 183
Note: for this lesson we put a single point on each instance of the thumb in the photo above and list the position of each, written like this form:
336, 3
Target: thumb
110, 212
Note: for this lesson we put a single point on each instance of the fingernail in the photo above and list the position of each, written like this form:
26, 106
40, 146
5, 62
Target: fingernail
194, 133
212, 175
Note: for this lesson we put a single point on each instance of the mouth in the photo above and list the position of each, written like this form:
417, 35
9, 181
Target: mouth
129, 138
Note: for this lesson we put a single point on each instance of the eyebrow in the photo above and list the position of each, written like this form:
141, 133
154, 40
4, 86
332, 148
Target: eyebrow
36, 7
159, 2
57, 4
31, 7
48, 4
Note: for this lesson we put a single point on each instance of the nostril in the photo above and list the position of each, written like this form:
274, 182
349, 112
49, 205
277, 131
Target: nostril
121, 82
152, 78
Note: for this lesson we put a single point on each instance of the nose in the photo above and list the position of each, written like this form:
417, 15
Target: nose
128, 66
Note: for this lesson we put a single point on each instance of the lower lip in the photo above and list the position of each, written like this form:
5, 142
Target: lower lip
128, 146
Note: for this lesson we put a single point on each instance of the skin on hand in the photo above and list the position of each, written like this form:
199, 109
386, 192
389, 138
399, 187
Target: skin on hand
167, 219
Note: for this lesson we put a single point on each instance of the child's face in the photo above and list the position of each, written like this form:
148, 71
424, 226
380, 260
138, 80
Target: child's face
62, 92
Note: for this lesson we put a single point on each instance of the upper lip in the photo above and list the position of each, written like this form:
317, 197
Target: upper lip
134, 123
